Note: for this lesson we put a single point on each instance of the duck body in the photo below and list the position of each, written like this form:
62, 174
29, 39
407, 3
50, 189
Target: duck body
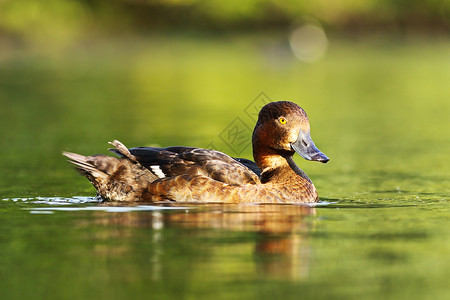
186, 174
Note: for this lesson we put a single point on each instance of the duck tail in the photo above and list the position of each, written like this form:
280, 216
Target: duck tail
93, 167
118, 179
100, 166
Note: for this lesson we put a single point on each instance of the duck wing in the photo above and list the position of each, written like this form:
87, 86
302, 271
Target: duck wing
174, 161
249, 164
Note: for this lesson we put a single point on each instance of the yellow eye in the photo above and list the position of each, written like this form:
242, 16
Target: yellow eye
282, 120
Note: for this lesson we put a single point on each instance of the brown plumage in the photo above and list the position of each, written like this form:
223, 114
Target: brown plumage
186, 174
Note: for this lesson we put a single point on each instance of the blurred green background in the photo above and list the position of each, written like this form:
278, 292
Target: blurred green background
67, 22
372, 75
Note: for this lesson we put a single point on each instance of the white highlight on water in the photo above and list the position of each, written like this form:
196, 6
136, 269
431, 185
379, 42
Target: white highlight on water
108, 208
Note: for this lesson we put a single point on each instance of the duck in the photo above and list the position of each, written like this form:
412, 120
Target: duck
189, 174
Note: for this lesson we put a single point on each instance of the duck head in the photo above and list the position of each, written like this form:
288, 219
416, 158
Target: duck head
283, 128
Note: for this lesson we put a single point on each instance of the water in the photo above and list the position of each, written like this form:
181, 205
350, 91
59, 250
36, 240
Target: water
378, 109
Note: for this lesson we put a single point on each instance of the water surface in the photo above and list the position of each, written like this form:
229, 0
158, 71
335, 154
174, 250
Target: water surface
378, 109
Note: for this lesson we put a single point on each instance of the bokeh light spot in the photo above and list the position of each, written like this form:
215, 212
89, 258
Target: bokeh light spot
308, 42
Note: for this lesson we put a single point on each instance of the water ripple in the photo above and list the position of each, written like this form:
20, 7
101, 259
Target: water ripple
46, 210
56, 200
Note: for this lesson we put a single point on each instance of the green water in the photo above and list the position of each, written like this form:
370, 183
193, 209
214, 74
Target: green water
378, 108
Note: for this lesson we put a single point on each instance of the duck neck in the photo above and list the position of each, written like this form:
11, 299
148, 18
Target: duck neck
275, 165
265, 157
270, 162
269, 159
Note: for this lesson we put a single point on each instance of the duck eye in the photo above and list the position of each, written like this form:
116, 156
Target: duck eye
282, 120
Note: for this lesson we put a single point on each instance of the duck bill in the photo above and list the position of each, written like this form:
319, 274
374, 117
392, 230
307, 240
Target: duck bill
305, 147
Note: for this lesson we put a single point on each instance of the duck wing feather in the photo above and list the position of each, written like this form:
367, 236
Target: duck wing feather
174, 161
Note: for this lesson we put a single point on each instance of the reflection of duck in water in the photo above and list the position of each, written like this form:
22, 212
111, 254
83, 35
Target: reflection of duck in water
278, 247
251, 241
193, 174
